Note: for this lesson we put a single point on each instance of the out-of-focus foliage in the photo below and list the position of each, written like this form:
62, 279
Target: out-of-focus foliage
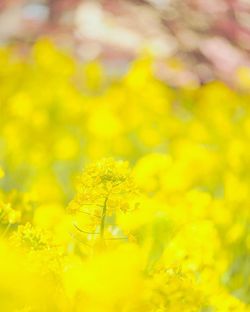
158, 220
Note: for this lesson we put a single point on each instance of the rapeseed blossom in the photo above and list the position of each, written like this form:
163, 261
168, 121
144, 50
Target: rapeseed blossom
120, 193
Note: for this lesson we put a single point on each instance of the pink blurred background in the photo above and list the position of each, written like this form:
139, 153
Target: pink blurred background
193, 41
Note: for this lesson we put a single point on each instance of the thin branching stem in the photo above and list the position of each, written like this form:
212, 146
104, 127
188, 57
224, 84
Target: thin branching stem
6, 230
116, 238
86, 232
89, 214
92, 204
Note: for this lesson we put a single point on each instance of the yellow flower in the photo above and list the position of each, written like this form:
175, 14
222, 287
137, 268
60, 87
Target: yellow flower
103, 189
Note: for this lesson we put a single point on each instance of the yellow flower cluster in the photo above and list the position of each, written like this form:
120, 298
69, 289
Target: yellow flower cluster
159, 218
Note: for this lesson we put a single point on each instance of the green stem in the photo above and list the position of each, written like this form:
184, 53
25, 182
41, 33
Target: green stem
6, 230
103, 217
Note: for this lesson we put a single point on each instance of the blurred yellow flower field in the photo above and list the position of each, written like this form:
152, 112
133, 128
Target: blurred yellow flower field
120, 193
